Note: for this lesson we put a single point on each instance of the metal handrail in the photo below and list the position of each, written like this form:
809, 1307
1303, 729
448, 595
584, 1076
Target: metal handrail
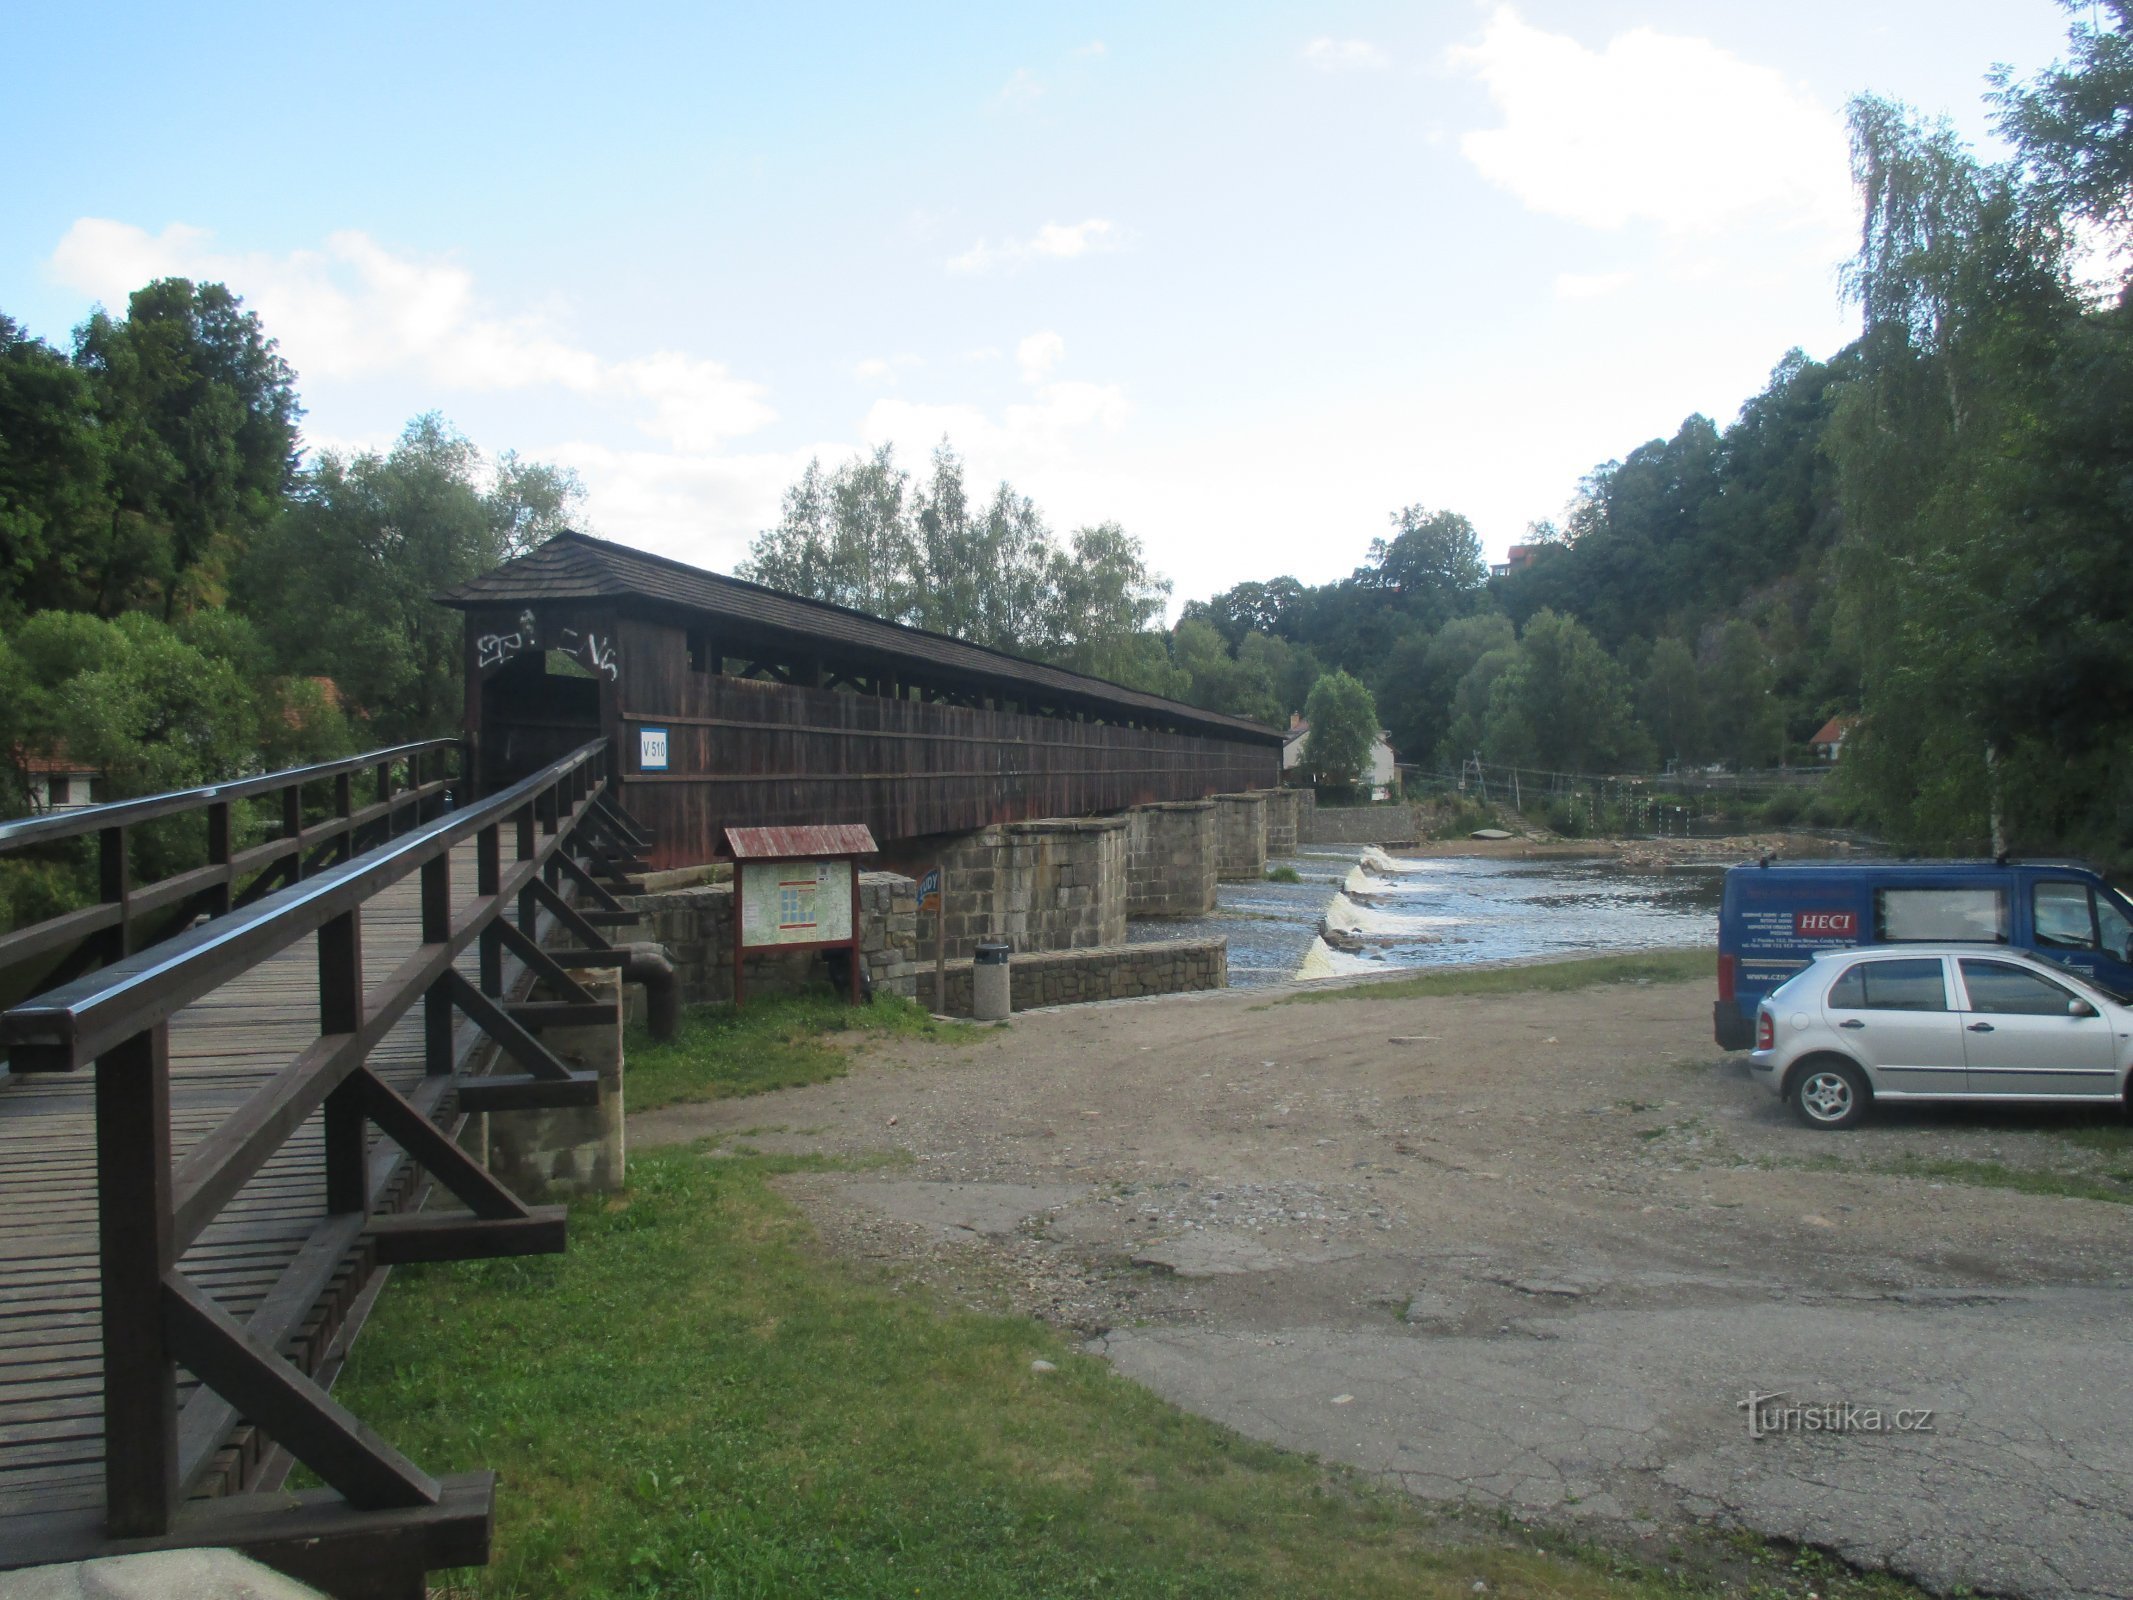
82, 1018
26, 831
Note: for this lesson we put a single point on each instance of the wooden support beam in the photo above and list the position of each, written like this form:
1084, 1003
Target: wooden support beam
603, 898
313, 1535
541, 963
306, 1421
490, 1016
462, 1236
135, 1243
514, 1091
427, 1145
205, 1421
537, 1014
573, 920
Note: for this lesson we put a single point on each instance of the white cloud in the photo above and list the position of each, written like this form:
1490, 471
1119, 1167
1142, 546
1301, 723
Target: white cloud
1054, 241
1027, 443
1021, 89
703, 509
1588, 286
1656, 128
1345, 55
1095, 47
884, 369
354, 309
1038, 354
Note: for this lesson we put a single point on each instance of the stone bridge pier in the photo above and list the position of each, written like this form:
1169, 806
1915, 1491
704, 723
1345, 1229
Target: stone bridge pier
1171, 859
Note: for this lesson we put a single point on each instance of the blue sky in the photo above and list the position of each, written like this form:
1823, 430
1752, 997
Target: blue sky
1244, 278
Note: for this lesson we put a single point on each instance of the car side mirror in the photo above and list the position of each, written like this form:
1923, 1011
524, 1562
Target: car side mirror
2080, 1008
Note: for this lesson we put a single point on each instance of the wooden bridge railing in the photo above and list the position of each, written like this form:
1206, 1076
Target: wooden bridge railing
553, 827
410, 781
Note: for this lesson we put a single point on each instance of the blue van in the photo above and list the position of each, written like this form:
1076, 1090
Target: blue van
1775, 916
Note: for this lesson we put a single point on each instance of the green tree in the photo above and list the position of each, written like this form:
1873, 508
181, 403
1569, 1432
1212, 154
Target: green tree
1419, 682
1670, 700
1433, 562
864, 536
1103, 595
198, 414
1745, 725
55, 509
1344, 725
2071, 121
340, 585
1563, 703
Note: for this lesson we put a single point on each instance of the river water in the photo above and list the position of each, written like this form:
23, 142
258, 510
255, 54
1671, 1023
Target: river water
1388, 913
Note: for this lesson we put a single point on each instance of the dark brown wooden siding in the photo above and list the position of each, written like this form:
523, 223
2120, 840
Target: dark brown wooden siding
745, 752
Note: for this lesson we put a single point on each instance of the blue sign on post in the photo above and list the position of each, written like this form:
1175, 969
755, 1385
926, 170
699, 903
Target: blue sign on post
929, 891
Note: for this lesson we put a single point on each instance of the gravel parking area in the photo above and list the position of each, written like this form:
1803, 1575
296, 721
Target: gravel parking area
1530, 1253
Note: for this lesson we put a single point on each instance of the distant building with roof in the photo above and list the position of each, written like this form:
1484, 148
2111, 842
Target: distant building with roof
1829, 738
1383, 766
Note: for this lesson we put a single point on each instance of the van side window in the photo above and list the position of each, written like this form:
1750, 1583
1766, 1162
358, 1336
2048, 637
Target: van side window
2011, 991
2116, 931
2063, 915
1940, 916
1903, 985
1848, 993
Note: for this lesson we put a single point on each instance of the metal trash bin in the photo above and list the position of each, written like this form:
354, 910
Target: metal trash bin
989, 993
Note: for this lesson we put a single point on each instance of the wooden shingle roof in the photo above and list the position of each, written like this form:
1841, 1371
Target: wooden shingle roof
578, 567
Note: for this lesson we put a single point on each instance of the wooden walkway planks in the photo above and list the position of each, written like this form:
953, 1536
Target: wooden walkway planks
221, 1048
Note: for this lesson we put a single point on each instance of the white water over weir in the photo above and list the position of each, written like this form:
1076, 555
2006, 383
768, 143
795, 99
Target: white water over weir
1355, 910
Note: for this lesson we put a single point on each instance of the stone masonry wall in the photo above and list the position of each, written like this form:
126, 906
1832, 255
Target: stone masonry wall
1284, 812
1401, 824
1070, 977
1171, 859
1053, 884
557, 1153
696, 926
1240, 823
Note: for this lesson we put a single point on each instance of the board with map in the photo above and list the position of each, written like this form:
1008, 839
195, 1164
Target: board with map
795, 902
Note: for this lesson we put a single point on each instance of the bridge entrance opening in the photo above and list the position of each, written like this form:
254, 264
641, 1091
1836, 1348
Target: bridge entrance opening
536, 707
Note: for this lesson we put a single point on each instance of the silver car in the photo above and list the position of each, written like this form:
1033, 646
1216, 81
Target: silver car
1937, 1022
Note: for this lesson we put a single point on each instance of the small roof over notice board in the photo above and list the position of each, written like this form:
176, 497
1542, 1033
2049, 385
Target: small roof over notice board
787, 844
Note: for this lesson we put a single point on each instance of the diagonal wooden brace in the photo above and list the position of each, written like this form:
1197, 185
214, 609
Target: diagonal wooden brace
606, 811
540, 962
428, 1146
601, 895
293, 1410
568, 915
516, 1042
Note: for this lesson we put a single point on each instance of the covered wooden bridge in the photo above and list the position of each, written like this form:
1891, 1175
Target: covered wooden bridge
727, 703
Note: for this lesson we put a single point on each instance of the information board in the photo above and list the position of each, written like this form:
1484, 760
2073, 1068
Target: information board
795, 902
651, 749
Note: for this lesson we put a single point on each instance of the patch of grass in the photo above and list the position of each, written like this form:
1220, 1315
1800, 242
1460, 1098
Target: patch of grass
2111, 1141
2115, 1187
773, 1043
695, 1401
1544, 977
2023, 1180
1284, 875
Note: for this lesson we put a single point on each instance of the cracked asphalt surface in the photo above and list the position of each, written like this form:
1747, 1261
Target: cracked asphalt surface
1529, 1252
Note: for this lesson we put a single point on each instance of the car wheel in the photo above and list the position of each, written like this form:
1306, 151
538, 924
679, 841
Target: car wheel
1829, 1094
